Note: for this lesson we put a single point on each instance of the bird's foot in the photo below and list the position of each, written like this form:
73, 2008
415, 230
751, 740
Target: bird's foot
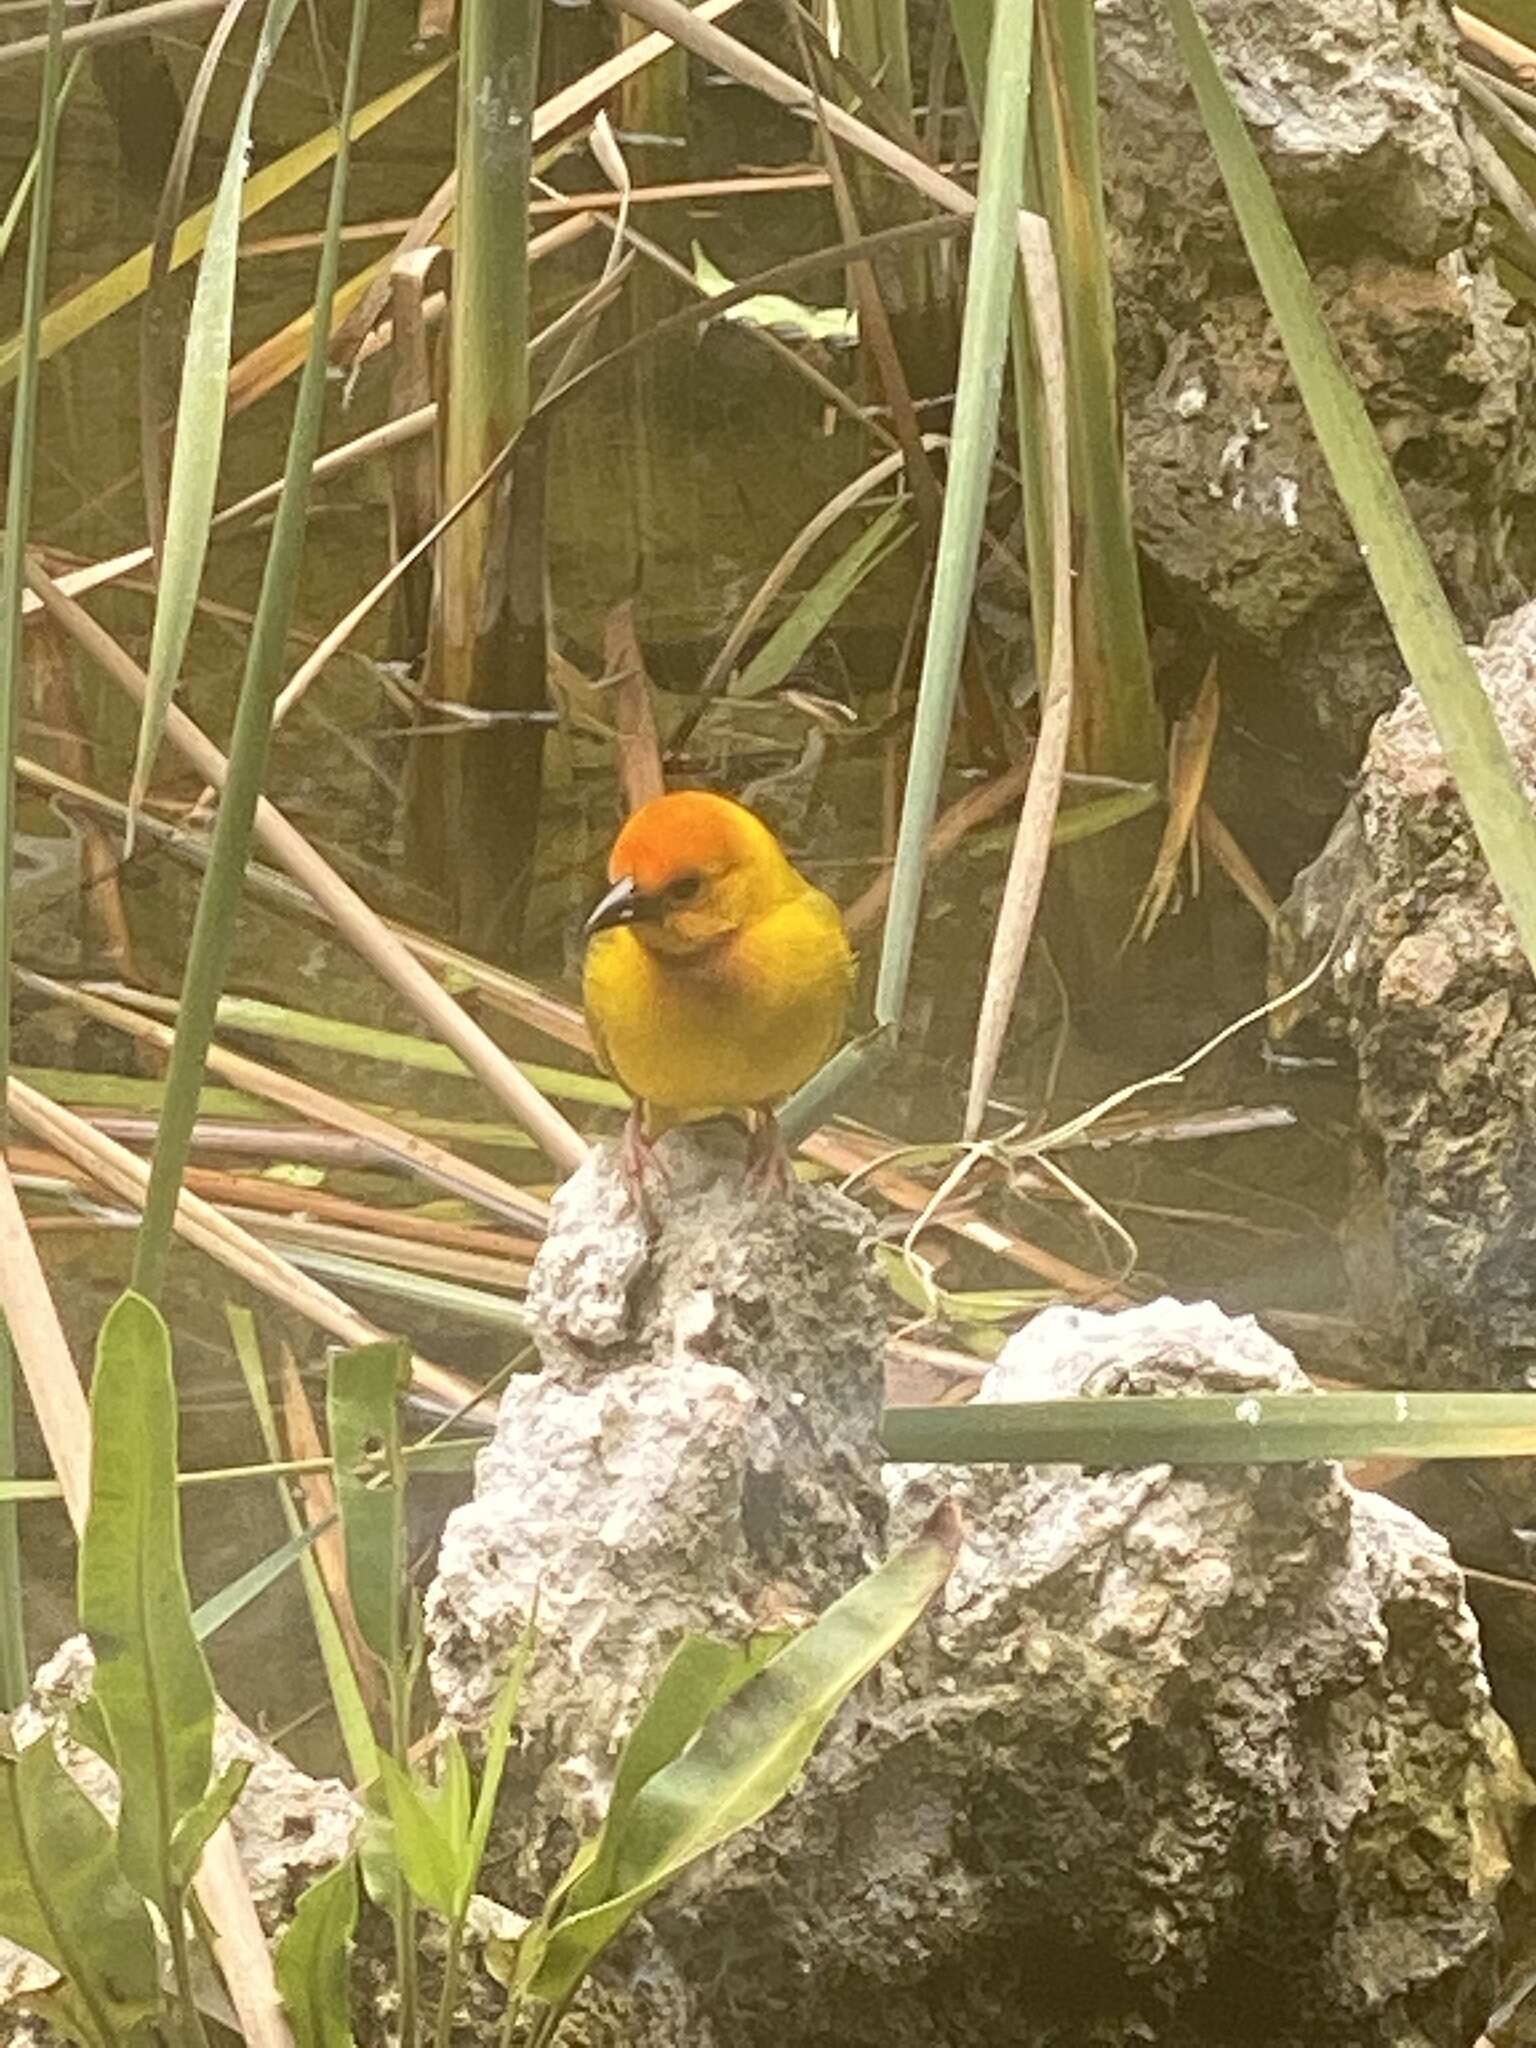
640, 1166
770, 1170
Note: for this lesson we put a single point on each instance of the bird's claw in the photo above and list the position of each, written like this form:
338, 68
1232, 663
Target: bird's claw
639, 1163
770, 1170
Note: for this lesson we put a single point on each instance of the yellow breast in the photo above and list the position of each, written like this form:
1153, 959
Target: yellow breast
741, 1024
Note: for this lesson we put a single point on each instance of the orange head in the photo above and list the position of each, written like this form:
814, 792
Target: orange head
690, 869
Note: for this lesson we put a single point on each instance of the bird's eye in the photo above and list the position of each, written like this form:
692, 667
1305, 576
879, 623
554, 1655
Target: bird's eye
684, 889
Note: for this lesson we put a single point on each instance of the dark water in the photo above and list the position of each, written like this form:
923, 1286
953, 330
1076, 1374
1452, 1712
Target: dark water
679, 487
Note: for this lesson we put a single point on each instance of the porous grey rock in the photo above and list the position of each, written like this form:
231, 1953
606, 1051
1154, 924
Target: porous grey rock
289, 1828
1179, 1758
1353, 109
1185, 1759
1428, 981
1355, 113
700, 1442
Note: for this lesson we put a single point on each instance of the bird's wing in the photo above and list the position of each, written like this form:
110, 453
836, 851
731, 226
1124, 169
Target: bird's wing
600, 1053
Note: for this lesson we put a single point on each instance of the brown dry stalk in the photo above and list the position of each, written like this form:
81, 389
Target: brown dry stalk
363, 929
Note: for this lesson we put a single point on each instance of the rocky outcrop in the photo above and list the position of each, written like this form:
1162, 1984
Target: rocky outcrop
1356, 114
1180, 1758
1427, 979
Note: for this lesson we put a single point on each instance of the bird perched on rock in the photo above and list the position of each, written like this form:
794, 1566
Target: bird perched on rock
717, 978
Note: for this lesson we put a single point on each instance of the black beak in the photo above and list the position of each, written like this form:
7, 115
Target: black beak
624, 904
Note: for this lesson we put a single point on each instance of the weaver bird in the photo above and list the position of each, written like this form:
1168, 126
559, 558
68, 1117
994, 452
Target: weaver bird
716, 979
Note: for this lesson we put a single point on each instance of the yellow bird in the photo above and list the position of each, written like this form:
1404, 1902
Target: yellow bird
717, 978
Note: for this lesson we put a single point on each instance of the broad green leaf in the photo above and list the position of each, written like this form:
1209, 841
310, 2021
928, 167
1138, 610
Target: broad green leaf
701, 1675
788, 318
377, 1860
748, 1753
88, 1724
1215, 1429
363, 1404
429, 1860
151, 1679
449, 1798
80, 311
1422, 621
788, 642
199, 440
312, 1961
63, 1896
211, 1811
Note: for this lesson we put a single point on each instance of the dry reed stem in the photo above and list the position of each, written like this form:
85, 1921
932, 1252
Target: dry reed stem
1042, 796
363, 929
114, 28
1516, 56
634, 710
47, 1365
1238, 868
432, 1161
977, 807
125, 1175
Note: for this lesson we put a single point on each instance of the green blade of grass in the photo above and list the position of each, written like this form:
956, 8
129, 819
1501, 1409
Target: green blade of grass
1214, 1429
151, 1677
1395, 555
373, 1042
28, 179
792, 637
18, 509
221, 1608
347, 1700
218, 903
199, 442
420, 1290
1117, 729
983, 354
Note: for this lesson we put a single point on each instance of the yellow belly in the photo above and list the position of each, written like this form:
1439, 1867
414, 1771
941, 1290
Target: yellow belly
744, 1024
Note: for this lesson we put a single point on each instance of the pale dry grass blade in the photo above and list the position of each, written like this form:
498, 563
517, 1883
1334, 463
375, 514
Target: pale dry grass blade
694, 31
317, 1488
121, 27
977, 807
1504, 49
53, 1380
1223, 848
363, 929
855, 1154
1189, 760
634, 712
381, 440
1042, 797
820, 523
420, 1155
